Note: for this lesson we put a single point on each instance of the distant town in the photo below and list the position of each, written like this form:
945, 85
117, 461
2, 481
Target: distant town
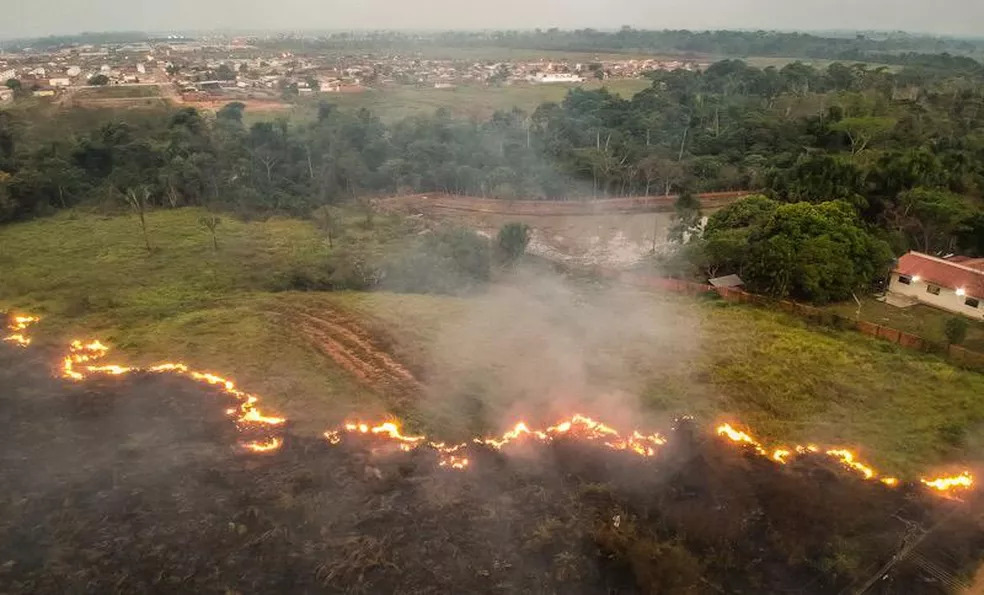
193, 71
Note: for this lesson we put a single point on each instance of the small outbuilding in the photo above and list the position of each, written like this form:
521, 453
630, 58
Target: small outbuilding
728, 281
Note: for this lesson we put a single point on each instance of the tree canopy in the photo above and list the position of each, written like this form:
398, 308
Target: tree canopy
817, 252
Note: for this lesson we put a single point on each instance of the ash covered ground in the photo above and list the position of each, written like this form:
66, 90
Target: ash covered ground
138, 484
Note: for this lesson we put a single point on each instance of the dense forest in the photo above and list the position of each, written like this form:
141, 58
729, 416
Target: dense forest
900, 152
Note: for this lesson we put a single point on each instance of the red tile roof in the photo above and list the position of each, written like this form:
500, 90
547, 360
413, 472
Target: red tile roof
945, 273
967, 261
975, 263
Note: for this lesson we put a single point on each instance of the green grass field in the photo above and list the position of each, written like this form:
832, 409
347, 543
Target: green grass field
921, 320
483, 357
89, 276
119, 92
394, 103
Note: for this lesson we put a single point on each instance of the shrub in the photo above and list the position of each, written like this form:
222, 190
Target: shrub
450, 261
955, 330
353, 269
513, 240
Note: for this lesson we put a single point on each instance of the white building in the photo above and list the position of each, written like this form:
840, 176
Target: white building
556, 77
73, 71
6, 75
60, 82
955, 284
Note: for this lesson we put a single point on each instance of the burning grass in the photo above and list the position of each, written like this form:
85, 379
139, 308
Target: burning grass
133, 483
793, 384
790, 382
88, 276
84, 362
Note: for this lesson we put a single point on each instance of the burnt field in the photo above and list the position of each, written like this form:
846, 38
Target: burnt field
139, 484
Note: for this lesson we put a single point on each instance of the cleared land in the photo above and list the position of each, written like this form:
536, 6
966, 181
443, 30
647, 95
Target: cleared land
615, 233
144, 96
525, 347
119, 92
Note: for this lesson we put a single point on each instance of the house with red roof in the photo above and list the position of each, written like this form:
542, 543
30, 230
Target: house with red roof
955, 284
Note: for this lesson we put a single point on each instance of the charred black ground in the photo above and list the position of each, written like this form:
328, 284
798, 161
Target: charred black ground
136, 484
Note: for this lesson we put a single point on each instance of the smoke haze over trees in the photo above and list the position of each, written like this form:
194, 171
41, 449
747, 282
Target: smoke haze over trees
900, 149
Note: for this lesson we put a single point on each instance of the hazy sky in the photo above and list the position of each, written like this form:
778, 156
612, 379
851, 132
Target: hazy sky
21, 18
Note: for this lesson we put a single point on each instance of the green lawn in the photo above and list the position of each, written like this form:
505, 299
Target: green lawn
924, 321
529, 346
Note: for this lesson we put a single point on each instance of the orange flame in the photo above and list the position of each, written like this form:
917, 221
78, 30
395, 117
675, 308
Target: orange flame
454, 462
264, 445
945, 484
781, 455
78, 365
16, 328
847, 457
578, 426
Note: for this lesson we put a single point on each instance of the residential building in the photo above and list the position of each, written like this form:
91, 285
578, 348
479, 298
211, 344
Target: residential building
557, 77
955, 284
60, 82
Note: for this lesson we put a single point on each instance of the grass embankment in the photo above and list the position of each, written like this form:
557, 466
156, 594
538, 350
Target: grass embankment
89, 276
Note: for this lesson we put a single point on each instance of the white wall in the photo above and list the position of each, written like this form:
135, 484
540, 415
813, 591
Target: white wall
947, 299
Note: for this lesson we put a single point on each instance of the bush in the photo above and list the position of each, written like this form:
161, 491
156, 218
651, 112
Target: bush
955, 330
513, 240
300, 278
449, 261
353, 269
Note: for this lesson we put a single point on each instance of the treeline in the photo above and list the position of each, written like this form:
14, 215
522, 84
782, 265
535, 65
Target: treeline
872, 48
721, 43
851, 129
904, 151
50, 42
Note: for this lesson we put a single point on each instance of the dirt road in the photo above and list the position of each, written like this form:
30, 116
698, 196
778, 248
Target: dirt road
354, 349
437, 203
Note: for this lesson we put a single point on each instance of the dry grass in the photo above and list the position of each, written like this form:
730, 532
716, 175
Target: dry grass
788, 381
88, 276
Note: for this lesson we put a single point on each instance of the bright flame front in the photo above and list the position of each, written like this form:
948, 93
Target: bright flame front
80, 364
